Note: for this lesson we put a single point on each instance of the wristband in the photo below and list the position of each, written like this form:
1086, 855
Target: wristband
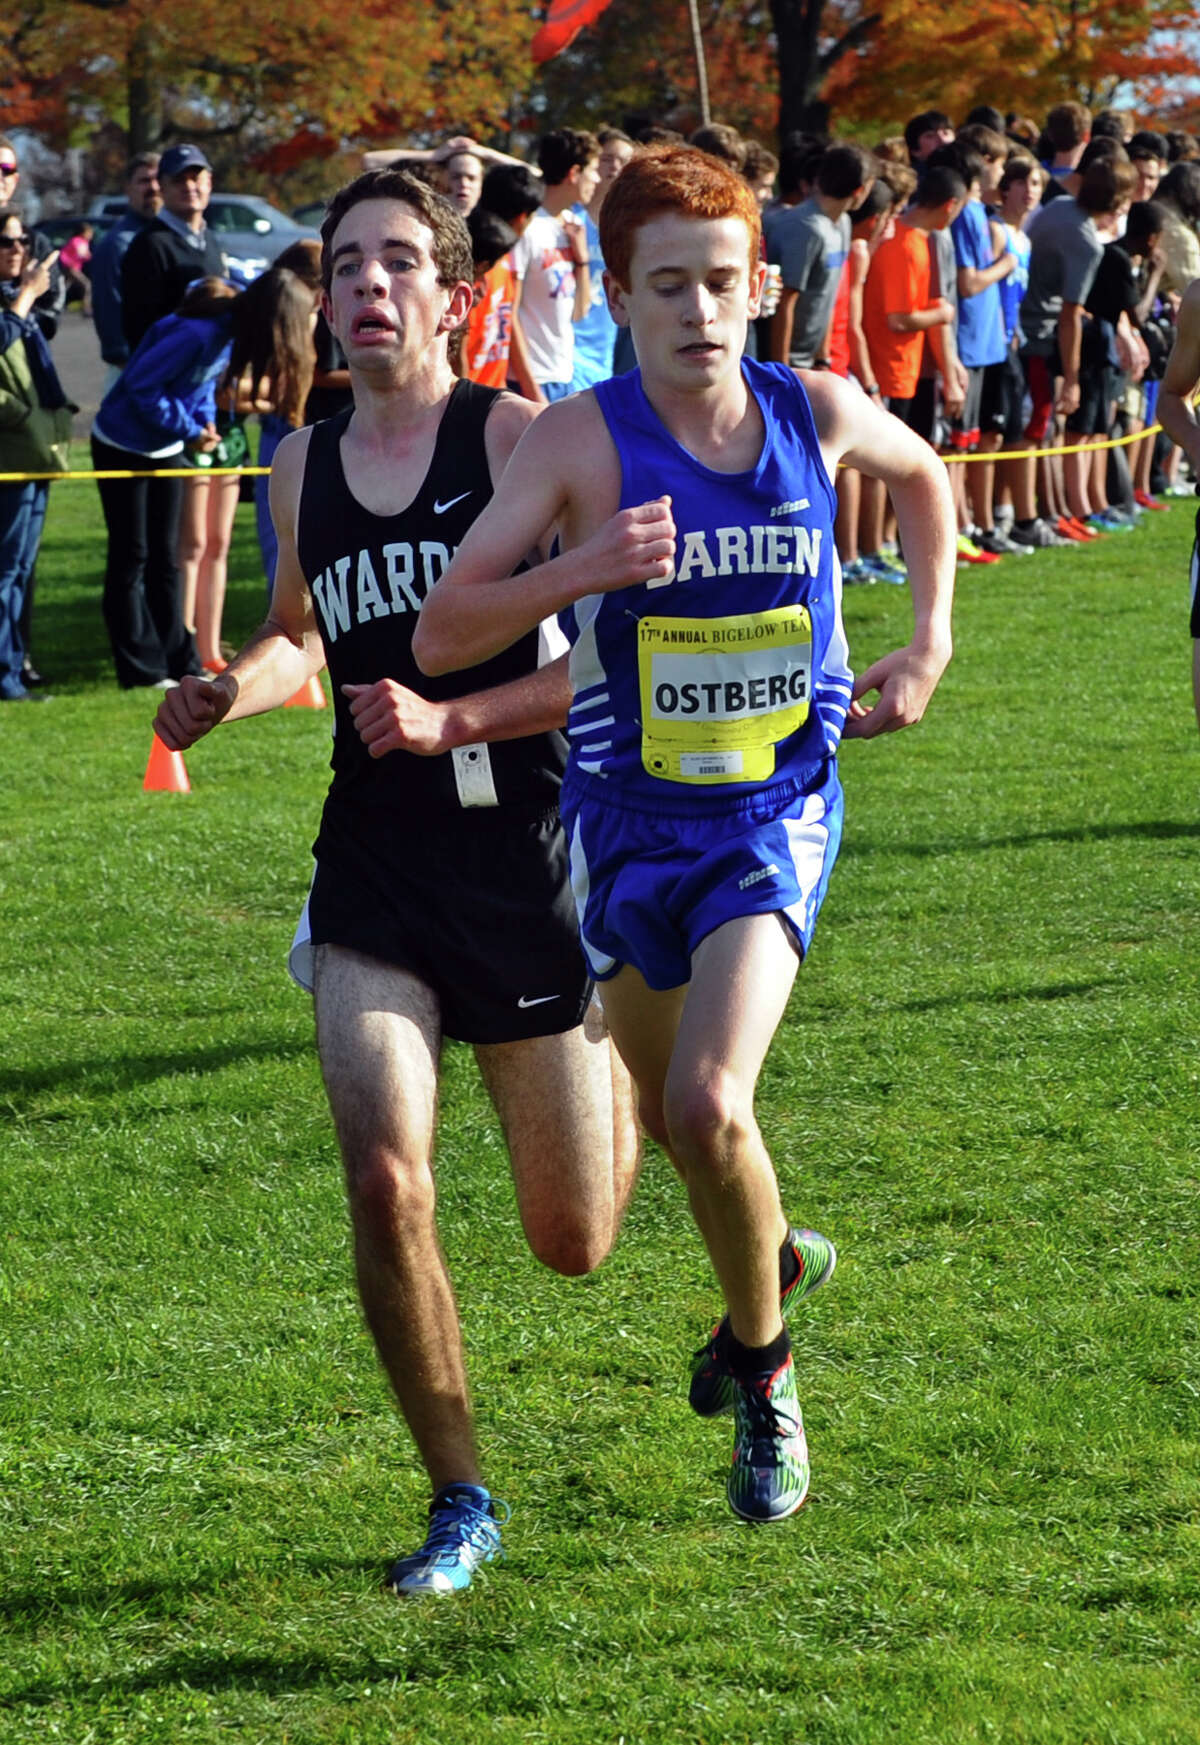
873, 391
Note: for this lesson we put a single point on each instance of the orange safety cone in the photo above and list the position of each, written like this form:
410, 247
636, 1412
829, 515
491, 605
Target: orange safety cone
165, 771
309, 696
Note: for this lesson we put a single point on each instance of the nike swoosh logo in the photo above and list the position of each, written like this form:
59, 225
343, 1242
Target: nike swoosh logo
441, 508
540, 1001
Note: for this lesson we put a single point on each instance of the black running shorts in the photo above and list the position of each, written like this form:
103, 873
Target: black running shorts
478, 905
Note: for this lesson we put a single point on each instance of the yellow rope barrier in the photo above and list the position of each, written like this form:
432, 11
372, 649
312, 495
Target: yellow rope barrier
153, 473
995, 454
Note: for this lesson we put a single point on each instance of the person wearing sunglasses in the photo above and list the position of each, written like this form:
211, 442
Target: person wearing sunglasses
35, 428
49, 306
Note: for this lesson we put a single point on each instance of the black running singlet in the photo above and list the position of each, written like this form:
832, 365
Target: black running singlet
369, 575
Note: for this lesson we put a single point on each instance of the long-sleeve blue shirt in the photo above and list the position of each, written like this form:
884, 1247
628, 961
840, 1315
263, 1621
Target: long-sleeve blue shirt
107, 256
167, 392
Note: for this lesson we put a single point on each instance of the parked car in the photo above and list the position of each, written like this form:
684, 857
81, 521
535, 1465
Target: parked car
64, 225
250, 230
312, 213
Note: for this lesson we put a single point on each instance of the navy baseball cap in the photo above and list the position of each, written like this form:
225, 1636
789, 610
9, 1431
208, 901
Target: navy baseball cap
179, 158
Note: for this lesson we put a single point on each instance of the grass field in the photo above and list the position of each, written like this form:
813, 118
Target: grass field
985, 1092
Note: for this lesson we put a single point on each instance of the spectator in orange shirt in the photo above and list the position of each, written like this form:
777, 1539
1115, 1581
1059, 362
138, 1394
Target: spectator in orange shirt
898, 311
897, 308
485, 349
493, 353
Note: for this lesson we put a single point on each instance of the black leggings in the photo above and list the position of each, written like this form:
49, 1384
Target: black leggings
143, 589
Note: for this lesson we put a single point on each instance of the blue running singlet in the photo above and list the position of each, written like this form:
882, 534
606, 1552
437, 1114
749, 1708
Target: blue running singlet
732, 675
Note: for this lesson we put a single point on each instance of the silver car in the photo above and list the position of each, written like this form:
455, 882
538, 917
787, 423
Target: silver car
250, 230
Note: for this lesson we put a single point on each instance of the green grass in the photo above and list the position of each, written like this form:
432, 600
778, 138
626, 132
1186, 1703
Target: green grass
985, 1091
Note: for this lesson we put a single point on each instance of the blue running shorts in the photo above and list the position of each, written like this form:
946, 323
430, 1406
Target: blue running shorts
651, 885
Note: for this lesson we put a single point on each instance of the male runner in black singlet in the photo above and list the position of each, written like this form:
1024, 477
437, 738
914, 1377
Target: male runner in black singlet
441, 902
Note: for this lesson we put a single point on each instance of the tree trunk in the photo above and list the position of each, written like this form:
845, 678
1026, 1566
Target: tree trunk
145, 102
803, 64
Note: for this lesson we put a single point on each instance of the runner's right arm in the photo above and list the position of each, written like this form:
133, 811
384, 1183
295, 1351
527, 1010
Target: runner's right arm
1182, 377
478, 607
283, 653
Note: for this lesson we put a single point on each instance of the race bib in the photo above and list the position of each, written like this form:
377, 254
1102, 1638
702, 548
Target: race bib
719, 694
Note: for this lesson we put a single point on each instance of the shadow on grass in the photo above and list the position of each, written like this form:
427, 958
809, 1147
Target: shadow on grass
1152, 830
102, 1071
437, 1662
1011, 996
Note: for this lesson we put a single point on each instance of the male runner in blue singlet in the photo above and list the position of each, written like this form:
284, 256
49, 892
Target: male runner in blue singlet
711, 686
441, 903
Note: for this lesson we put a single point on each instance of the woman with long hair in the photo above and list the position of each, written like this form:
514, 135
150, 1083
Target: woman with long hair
270, 365
283, 364
160, 411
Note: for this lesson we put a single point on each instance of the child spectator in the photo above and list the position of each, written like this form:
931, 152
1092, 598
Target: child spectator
810, 244
74, 259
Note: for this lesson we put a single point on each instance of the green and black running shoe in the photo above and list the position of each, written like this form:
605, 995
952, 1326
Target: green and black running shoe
711, 1390
769, 1477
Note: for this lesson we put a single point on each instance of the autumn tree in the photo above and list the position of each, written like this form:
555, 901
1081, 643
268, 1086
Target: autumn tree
636, 65
293, 77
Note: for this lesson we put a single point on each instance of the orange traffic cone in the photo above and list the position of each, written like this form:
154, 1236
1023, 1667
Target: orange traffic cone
309, 696
165, 771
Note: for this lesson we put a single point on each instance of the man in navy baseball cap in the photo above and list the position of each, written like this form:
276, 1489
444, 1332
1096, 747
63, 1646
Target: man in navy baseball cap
175, 248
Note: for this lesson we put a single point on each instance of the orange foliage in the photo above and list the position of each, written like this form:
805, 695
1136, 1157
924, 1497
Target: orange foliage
1022, 55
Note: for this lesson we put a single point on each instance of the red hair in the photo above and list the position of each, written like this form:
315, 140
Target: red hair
671, 178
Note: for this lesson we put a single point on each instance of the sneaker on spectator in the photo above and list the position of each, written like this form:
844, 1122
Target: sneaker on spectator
885, 569
1108, 521
1037, 537
1178, 491
1000, 544
1074, 529
969, 552
1146, 501
856, 574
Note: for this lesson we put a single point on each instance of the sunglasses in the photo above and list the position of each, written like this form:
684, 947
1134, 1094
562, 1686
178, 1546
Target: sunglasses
22, 241
9, 169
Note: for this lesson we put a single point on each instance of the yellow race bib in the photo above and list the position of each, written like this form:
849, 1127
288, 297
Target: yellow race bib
719, 694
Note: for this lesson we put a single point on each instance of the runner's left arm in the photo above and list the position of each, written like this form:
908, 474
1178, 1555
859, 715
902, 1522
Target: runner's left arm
390, 717
854, 430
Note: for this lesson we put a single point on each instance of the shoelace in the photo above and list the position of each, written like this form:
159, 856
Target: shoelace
452, 1528
764, 1420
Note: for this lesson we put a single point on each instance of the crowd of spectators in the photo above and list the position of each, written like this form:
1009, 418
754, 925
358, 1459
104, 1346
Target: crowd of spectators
1008, 290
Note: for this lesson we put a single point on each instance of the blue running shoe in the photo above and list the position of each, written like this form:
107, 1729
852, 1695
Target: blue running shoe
885, 569
711, 1390
769, 1477
464, 1531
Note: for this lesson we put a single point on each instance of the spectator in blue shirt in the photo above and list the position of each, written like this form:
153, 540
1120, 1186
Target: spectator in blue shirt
145, 197
981, 339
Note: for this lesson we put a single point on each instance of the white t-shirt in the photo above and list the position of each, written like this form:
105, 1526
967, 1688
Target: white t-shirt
543, 262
